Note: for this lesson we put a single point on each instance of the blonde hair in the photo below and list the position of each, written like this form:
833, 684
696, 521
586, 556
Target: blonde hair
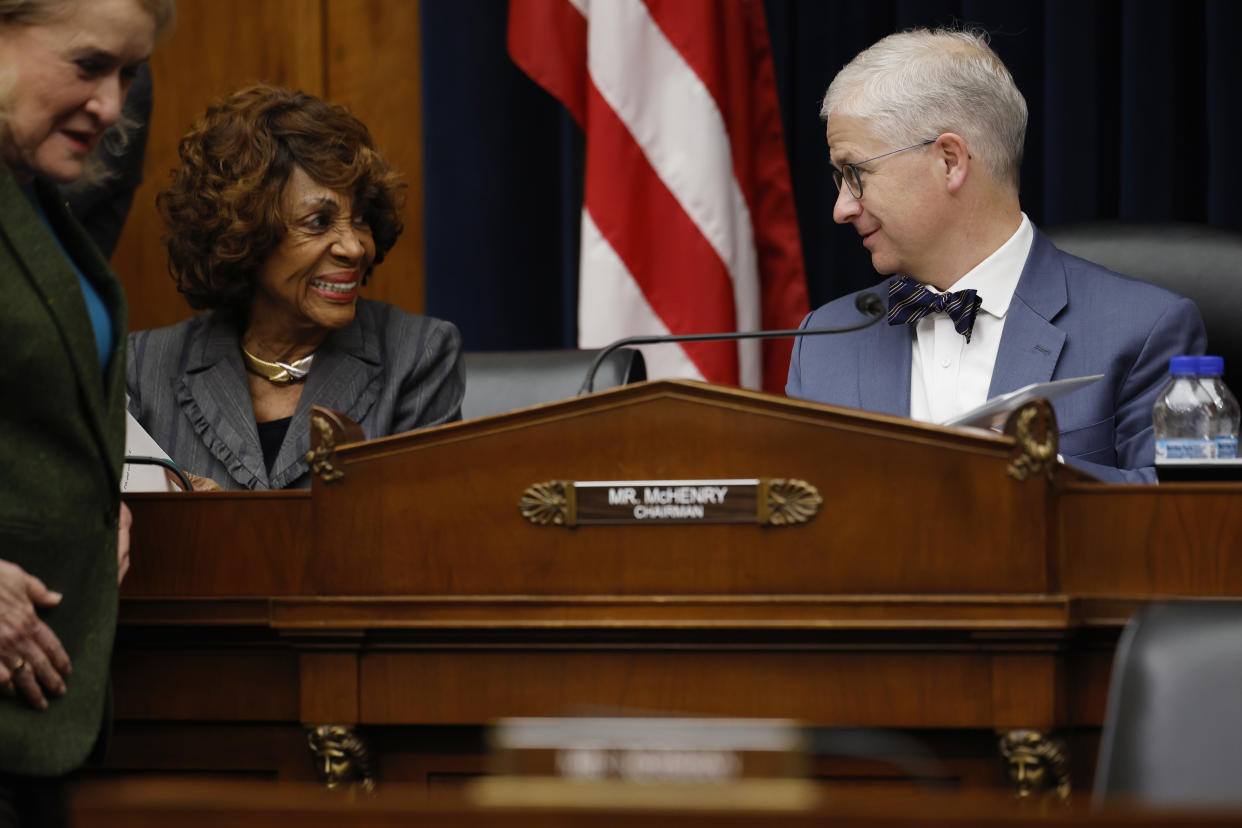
37, 12
41, 12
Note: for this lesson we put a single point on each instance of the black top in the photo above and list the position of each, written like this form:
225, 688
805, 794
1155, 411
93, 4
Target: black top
271, 435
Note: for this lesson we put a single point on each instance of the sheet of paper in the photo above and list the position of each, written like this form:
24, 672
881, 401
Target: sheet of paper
993, 412
142, 478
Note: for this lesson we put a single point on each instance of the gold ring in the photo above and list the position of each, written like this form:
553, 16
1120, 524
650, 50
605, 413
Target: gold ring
18, 667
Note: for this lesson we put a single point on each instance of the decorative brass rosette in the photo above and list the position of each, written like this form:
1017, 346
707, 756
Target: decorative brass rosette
788, 501
547, 503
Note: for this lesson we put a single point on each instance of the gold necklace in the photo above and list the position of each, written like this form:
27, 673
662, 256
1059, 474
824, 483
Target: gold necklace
281, 373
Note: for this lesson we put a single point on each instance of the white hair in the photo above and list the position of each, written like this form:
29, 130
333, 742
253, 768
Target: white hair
921, 83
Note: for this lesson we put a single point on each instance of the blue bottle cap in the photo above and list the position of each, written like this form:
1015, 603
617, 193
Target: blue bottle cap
1212, 365
1184, 365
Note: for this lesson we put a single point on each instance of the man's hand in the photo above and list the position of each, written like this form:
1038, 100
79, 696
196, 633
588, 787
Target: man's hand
32, 661
122, 543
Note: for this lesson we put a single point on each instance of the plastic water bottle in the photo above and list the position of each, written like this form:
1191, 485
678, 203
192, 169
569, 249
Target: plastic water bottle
1183, 414
1224, 426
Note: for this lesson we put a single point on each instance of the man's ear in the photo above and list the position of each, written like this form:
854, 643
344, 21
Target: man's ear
955, 156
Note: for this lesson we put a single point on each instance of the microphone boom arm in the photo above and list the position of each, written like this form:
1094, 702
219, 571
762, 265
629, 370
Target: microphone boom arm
864, 303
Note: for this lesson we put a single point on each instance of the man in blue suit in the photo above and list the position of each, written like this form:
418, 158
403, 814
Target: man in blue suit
925, 131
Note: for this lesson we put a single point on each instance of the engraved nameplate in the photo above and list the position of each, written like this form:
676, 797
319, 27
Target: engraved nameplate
766, 501
667, 501
643, 749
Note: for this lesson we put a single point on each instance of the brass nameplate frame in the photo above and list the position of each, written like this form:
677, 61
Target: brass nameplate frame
765, 501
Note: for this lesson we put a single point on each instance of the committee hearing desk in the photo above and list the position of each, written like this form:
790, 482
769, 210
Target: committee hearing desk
667, 547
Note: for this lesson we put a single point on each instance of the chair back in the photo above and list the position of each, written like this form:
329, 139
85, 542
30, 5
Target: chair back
499, 381
1173, 726
1198, 261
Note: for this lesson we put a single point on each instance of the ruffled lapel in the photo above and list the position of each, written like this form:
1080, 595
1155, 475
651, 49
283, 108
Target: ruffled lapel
213, 392
346, 376
216, 399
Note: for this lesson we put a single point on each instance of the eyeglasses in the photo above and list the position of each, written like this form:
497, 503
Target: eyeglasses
853, 175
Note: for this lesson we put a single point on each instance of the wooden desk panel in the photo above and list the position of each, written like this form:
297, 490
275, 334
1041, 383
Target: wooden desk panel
412, 595
1173, 539
819, 687
464, 482
191, 545
189, 804
210, 683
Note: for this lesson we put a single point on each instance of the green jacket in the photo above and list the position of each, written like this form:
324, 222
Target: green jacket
62, 438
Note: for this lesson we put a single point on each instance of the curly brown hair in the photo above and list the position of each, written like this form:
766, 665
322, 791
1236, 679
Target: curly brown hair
222, 210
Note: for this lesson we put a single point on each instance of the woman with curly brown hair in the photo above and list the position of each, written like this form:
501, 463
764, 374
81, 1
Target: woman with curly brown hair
277, 214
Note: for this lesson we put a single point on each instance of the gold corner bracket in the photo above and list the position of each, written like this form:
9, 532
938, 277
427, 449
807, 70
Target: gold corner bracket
1034, 429
323, 440
342, 758
787, 501
1037, 764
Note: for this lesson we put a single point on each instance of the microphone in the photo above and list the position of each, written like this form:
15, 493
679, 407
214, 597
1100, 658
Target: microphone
139, 460
868, 304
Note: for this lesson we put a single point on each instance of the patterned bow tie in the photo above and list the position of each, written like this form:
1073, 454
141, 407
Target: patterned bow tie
909, 301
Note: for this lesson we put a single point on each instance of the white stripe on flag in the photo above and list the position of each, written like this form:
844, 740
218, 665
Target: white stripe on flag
612, 306
675, 121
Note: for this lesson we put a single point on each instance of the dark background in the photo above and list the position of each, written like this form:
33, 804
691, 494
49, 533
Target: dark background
1134, 114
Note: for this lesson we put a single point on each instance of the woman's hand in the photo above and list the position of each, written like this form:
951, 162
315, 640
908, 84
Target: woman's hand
122, 543
32, 661
203, 484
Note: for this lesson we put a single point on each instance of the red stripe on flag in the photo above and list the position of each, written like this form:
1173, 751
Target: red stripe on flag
684, 280
548, 40
727, 46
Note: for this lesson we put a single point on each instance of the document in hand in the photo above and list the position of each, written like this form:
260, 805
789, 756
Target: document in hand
992, 413
136, 478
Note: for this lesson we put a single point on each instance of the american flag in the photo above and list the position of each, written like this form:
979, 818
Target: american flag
688, 220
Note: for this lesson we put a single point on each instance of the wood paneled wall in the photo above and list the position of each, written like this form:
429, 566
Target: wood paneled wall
360, 53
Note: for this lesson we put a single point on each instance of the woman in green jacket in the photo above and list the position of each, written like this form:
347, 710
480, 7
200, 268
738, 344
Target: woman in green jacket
65, 66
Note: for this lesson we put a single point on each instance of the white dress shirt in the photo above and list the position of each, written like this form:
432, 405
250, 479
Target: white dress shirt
948, 375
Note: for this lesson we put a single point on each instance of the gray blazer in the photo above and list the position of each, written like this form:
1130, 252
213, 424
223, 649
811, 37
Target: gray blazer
1068, 318
388, 370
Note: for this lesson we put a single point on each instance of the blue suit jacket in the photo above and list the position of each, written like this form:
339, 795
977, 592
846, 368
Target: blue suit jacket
1068, 318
